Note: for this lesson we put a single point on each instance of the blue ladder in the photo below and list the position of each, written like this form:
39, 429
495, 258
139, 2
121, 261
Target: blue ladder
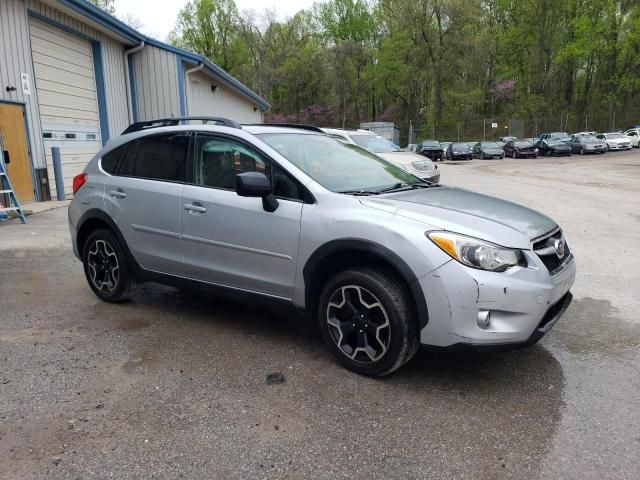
7, 189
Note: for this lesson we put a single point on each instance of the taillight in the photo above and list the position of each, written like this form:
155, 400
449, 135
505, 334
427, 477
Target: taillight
79, 181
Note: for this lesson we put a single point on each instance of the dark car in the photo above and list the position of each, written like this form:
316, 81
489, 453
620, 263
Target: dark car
555, 136
459, 151
587, 144
485, 150
553, 147
520, 149
431, 149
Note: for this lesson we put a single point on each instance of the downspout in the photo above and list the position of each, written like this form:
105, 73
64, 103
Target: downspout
188, 85
127, 53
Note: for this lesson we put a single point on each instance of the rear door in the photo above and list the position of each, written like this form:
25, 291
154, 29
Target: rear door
231, 240
144, 197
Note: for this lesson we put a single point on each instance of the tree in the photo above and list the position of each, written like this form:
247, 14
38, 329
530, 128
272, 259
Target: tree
106, 5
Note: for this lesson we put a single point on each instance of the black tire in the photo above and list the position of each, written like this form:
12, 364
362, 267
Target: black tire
396, 344
581, 150
514, 155
120, 286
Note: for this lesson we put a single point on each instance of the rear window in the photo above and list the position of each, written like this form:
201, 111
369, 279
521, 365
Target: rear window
109, 162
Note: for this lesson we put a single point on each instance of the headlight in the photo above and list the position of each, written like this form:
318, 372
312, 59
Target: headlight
423, 166
476, 253
535, 150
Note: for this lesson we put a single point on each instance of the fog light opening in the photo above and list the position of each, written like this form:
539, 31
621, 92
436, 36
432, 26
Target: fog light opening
484, 319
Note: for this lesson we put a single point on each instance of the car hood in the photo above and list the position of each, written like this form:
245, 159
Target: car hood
403, 157
618, 140
466, 212
560, 146
491, 150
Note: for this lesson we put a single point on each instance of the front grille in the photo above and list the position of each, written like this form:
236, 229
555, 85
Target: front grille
546, 250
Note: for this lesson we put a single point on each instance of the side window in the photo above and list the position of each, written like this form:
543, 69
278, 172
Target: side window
158, 157
217, 160
110, 161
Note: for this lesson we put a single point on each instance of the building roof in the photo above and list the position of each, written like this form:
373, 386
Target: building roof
121, 29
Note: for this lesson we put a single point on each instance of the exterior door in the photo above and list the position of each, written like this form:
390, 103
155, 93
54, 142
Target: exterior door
231, 240
14, 140
143, 198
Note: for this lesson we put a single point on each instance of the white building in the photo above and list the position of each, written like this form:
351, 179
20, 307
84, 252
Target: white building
73, 76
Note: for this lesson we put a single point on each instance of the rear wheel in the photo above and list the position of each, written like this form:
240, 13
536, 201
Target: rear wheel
367, 321
106, 269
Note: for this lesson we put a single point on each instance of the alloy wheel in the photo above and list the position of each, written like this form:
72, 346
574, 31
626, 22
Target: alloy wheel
358, 324
104, 269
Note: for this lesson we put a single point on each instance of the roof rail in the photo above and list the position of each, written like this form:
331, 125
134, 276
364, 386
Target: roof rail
172, 121
311, 128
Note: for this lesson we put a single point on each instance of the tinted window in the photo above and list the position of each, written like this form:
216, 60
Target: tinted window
129, 160
162, 157
218, 160
110, 160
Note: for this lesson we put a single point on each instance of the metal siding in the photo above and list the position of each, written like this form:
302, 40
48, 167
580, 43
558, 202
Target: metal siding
224, 102
156, 83
15, 57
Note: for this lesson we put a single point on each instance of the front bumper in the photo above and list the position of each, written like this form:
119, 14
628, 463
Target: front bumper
524, 303
615, 146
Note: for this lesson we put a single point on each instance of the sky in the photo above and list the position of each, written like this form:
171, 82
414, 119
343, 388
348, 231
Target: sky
158, 17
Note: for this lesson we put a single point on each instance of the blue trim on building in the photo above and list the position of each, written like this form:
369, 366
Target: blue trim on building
61, 26
99, 16
102, 98
182, 95
34, 181
133, 92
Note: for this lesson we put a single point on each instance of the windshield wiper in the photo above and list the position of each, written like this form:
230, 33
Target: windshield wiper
403, 187
362, 193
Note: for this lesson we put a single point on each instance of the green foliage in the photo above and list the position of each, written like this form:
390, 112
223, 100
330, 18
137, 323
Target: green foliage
106, 5
445, 65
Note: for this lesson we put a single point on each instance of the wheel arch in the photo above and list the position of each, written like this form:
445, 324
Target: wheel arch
337, 255
95, 219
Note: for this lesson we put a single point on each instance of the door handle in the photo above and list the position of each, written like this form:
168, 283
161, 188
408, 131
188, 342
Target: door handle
194, 208
117, 193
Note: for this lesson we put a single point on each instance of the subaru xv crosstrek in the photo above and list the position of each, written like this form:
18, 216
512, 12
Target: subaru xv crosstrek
382, 260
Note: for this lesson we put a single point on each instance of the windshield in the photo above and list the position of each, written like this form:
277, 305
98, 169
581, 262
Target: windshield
554, 142
523, 144
337, 166
462, 146
375, 144
589, 139
489, 145
431, 143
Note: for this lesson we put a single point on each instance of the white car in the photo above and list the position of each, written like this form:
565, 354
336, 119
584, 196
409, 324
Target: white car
413, 163
615, 140
585, 134
634, 135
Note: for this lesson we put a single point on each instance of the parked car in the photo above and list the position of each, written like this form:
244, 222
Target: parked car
587, 144
520, 149
459, 151
487, 150
380, 259
634, 135
615, 140
412, 147
553, 147
409, 161
504, 140
584, 134
445, 146
555, 135
431, 149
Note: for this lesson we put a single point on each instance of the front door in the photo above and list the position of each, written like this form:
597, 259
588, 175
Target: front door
14, 140
231, 240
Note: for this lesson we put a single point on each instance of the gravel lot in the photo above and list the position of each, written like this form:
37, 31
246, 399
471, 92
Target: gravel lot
172, 385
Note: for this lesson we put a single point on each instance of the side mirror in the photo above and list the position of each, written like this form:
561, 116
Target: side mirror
256, 184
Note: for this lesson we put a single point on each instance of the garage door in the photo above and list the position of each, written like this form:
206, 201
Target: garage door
66, 87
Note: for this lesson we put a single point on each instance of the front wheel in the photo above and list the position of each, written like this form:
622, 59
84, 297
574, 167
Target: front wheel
367, 321
106, 269
514, 155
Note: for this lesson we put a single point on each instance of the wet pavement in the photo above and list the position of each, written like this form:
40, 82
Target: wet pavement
173, 384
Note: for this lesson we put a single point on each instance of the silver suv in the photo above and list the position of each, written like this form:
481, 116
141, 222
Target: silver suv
382, 260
